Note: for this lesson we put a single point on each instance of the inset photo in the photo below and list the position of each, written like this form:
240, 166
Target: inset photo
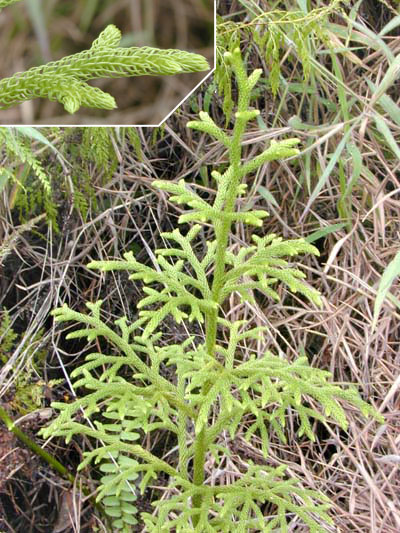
101, 62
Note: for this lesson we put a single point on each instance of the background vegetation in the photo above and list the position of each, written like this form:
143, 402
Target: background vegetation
331, 80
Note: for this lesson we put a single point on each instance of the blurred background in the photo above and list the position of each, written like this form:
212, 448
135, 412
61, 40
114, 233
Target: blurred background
37, 31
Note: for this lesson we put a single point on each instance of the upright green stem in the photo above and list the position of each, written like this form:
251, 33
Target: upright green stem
222, 232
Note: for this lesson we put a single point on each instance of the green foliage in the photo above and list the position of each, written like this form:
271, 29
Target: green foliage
15, 143
219, 388
117, 491
29, 196
97, 149
7, 337
230, 506
270, 31
132, 136
5, 3
65, 81
389, 275
41, 185
28, 393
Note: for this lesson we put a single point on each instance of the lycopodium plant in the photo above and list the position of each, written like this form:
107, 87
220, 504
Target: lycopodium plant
218, 389
65, 81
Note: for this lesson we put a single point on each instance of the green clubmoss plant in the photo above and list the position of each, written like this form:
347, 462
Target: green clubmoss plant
65, 81
219, 390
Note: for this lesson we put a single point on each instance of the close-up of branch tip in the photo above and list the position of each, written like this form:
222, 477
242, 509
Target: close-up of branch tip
65, 81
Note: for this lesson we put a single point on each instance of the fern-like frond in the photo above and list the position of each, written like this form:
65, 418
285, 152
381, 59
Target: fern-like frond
207, 125
16, 144
202, 211
267, 387
265, 263
236, 508
176, 296
186, 253
94, 327
117, 489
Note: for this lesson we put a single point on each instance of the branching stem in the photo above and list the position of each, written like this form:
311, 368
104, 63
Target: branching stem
222, 232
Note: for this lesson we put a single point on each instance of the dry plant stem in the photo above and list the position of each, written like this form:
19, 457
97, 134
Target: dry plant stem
50, 460
56, 465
